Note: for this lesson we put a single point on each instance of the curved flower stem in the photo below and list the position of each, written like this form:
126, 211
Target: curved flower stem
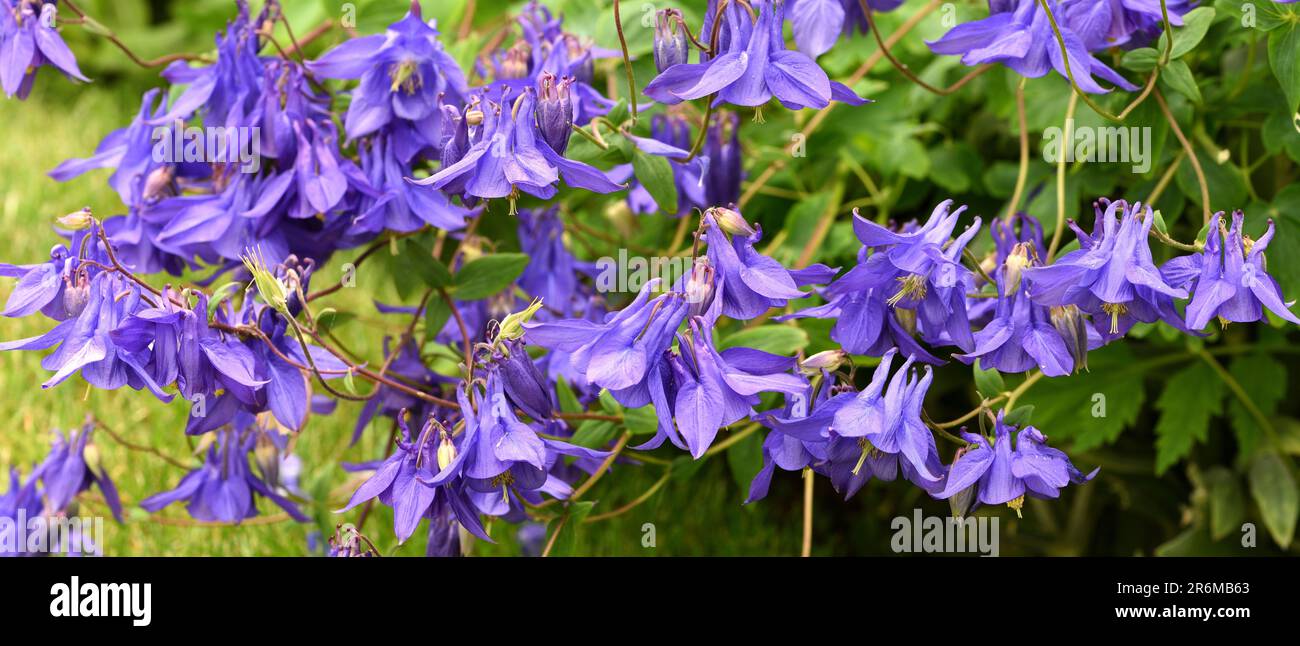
369, 251
593, 136
906, 71
1168, 241
1066, 138
1010, 396
1023, 174
627, 62
464, 333
96, 27
704, 133
1191, 155
1151, 82
140, 448
975, 263
1165, 179
1240, 393
807, 511
636, 502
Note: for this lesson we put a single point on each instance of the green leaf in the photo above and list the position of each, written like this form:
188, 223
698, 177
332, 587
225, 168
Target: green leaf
641, 421
1265, 379
594, 434
1227, 502
777, 339
610, 404
1195, 23
1191, 397
1284, 57
656, 175
1019, 417
1091, 408
417, 257
489, 275
1143, 59
568, 400
1178, 77
988, 382
1274, 490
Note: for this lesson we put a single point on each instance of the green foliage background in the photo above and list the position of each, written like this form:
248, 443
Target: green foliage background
1198, 436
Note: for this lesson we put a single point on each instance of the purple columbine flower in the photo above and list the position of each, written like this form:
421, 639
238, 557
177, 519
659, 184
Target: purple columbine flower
1021, 335
521, 380
401, 481
1111, 276
1019, 35
819, 23
401, 207
919, 270
404, 73
71, 467
799, 437
750, 283
751, 67
222, 490
508, 156
1228, 278
618, 353
886, 424
1123, 23
671, 44
725, 171
30, 41
22, 499
1003, 474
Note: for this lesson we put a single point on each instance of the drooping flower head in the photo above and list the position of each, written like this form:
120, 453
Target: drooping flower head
752, 66
72, 467
31, 40
1111, 276
1003, 474
1229, 278
1019, 34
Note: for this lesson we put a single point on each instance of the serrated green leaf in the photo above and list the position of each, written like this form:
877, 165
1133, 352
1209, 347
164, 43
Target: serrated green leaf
489, 275
1094, 407
1190, 398
1274, 490
1143, 59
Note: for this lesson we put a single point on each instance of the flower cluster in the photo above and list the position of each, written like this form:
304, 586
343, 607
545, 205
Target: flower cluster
502, 432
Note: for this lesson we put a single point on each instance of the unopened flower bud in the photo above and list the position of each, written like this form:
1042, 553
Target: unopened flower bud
829, 360
77, 220
270, 287
1014, 267
1069, 323
446, 450
730, 221
555, 111
670, 44
512, 327
701, 285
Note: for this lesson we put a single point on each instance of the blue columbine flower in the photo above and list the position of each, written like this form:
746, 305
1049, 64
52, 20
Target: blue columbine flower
1003, 474
30, 41
71, 467
819, 23
751, 283
799, 437
912, 280
1021, 335
222, 490
1019, 35
752, 66
1228, 279
508, 156
1111, 276
1123, 23
403, 74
